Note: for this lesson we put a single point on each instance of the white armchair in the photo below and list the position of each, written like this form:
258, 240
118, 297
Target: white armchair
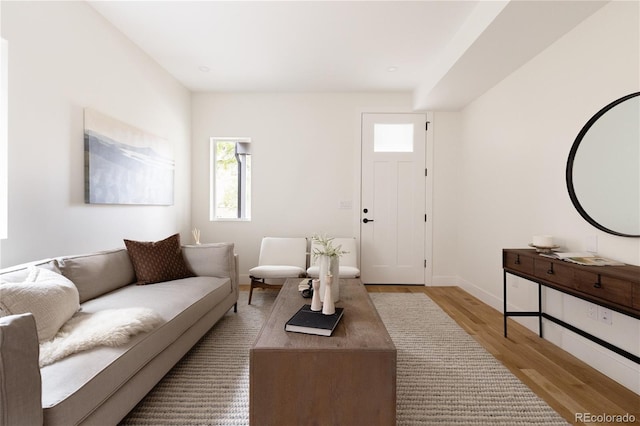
280, 258
348, 261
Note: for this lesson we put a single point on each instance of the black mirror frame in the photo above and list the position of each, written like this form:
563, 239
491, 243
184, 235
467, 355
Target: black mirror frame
572, 155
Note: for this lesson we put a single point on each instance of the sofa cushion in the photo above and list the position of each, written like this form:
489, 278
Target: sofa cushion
210, 260
158, 261
98, 273
20, 387
50, 297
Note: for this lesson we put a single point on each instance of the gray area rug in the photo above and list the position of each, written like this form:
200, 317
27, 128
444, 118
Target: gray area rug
444, 376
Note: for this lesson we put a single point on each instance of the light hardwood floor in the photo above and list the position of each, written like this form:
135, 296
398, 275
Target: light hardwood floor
567, 384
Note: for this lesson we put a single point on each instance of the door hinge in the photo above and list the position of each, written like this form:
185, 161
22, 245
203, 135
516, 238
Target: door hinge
425, 172
425, 217
425, 263
426, 125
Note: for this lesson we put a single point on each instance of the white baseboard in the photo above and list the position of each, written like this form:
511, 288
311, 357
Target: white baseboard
488, 298
445, 280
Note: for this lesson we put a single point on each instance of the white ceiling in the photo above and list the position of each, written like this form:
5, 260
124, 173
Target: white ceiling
445, 52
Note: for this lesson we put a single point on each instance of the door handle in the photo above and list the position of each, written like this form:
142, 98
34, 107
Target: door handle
365, 220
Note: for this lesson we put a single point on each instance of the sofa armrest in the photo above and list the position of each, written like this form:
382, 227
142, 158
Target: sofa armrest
20, 381
213, 260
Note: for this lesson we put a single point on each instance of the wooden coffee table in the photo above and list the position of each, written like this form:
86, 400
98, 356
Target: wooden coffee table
348, 378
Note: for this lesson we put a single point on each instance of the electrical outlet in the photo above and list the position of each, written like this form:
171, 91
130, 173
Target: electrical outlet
591, 243
605, 315
592, 311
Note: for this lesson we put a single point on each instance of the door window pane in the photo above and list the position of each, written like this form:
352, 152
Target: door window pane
393, 137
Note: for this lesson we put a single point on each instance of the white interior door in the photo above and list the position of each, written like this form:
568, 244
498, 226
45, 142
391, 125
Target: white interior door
393, 215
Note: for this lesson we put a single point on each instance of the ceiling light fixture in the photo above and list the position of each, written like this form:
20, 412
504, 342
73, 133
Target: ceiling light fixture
204, 68
392, 69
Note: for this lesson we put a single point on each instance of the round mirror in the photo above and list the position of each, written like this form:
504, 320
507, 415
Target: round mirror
603, 170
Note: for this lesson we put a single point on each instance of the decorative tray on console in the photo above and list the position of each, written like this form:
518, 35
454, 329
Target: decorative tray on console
544, 249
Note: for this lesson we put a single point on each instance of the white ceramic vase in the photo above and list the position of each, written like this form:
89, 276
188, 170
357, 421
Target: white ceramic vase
328, 308
329, 265
316, 302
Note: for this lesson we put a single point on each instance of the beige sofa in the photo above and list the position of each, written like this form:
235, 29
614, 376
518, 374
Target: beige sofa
101, 385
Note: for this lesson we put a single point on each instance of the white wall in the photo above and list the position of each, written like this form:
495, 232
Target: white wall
65, 57
515, 143
447, 203
303, 160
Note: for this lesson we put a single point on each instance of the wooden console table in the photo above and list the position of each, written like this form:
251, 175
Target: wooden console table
614, 287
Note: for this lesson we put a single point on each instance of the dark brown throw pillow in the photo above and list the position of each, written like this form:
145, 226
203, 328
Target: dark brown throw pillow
158, 261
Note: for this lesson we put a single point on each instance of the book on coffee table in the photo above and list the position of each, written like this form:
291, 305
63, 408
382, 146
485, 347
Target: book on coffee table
313, 322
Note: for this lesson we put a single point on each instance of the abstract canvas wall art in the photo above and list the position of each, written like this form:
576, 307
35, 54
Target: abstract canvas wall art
125, 165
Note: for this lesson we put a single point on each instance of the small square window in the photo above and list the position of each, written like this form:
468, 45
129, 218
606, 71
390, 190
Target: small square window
393, 137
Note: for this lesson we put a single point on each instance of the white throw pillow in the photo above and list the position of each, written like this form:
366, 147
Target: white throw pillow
50, 297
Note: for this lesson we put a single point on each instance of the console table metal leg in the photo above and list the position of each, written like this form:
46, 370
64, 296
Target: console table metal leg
540, 309
504, 301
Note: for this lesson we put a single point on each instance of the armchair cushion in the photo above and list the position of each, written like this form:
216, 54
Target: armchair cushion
345, 271
283, 251
276, 271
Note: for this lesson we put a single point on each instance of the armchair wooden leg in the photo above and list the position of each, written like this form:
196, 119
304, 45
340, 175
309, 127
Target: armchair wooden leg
259, 282
254, 283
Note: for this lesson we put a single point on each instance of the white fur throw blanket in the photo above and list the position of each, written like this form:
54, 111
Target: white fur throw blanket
111, 327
